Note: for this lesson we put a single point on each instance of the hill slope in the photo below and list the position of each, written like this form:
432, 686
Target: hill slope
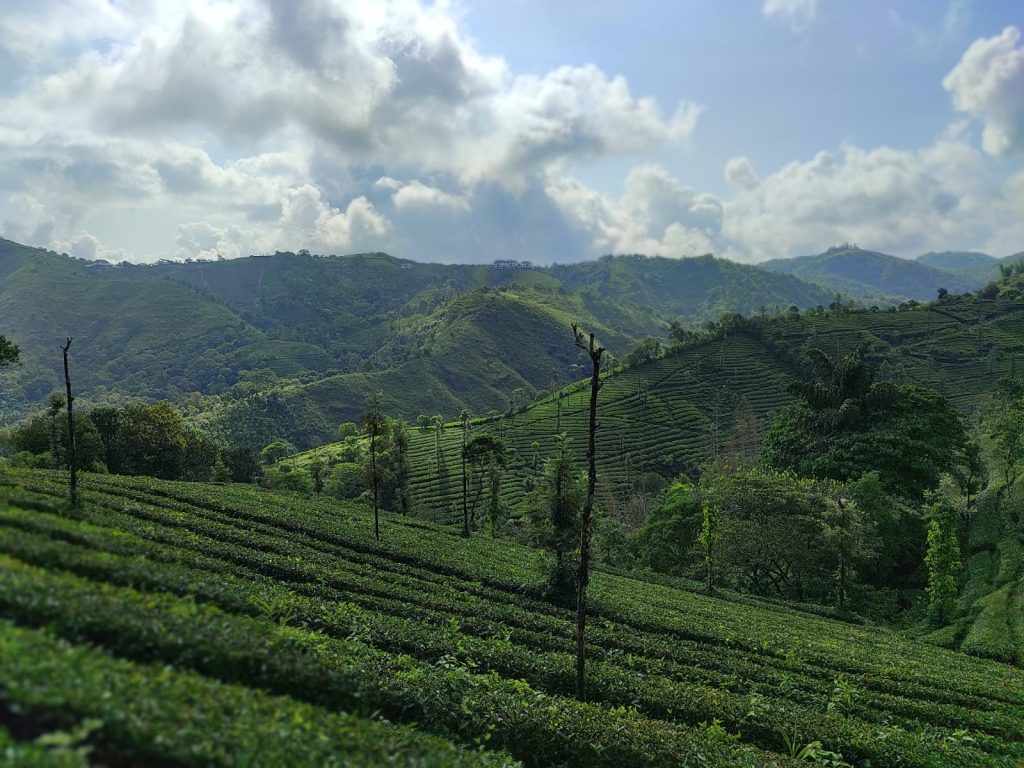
343, 325
857, 272
671, 414
955, 261
249, 608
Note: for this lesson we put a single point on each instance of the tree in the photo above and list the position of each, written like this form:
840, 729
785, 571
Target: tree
317, 473
464, 421
399, 455
9, 352
647, 350
150, 440
553, 513
594, 352
773, 532
849, 536
438, 423
1003, 422
942, 558
276, 450
845, 424
243, 463
670, 529
709, 536
486, 456
376, 424
54, 406
347, 481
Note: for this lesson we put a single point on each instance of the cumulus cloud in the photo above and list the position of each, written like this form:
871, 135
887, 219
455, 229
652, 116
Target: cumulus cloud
988, 83
250, 122
656, 214
416, 194
902, 202
798, 14
740, 171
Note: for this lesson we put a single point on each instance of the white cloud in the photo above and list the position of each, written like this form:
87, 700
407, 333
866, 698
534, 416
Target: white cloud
656, 214
902, 202
740, 171
798, 14
988, 83
246, 123
416, 194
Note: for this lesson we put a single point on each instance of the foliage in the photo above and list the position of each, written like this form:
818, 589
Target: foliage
942, 558
845, 424
1004, 426
9, 352
710, 534
286, 594
554, 515
670, 530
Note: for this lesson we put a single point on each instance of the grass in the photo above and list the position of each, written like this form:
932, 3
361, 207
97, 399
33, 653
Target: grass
250, 607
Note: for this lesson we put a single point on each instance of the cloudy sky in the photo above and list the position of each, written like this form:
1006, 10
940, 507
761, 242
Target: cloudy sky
555, 131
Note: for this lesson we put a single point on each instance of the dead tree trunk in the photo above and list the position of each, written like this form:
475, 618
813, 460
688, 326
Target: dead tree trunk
464, 418
583, 577
376, 486
72, 453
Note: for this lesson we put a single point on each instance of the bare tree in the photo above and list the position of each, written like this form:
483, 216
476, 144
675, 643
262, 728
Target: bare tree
72, 453
464, 420
376, 425
594, 352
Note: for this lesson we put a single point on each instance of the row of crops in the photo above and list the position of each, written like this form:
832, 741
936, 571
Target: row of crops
228, 625
675, 412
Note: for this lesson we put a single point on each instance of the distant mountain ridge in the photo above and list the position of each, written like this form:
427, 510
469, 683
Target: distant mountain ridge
955, 261
859, 272
321, 332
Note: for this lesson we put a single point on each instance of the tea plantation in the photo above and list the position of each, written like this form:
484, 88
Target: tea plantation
670, 414
227, 625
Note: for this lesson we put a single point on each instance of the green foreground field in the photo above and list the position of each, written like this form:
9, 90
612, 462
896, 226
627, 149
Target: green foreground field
227, 625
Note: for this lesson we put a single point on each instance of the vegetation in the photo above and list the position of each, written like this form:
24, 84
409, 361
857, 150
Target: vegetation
290, 610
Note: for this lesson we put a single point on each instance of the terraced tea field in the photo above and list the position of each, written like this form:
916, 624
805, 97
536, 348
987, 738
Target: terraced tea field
209, 625
676, 412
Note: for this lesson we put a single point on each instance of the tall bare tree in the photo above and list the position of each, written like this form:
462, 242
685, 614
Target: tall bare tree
586, 522
376, 424
464, 420
72, 453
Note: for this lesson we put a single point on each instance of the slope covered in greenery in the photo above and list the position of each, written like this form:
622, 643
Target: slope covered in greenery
277, 625
955, 261
673, 413
343, 325
141, 336
699, 288
857, 272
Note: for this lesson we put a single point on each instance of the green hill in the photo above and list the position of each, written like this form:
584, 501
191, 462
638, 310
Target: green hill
144, 336
699, 288
955, 261
307, 337
858, 272
673, 413
195, 622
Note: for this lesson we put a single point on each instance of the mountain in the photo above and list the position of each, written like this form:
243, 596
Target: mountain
858, 272
135, 332
955, 261
699, 288
990, 271
313, 335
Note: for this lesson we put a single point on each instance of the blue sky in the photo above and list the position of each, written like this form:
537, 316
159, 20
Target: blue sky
466, 131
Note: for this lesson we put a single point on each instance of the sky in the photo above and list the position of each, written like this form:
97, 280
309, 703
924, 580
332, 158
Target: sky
466, 131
